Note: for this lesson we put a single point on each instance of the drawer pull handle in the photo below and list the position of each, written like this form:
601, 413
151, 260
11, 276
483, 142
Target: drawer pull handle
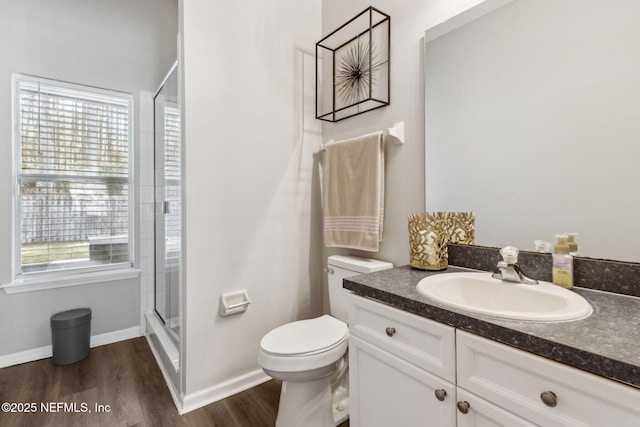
549, 398
390, 331
441, 394
463, 406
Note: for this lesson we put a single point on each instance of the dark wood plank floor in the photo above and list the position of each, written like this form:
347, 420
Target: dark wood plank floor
125, 377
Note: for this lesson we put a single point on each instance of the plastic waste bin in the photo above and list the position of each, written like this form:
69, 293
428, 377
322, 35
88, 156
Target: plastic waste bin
70, 335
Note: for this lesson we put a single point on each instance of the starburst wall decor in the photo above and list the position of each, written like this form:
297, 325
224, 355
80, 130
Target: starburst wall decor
354, 72
353, 67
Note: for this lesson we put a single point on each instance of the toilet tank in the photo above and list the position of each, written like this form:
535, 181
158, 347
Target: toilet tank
343, 266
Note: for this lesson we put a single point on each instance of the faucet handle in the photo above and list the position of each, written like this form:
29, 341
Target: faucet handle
510, 254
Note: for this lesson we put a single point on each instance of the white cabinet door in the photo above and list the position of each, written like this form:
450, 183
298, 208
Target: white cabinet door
386, 391
474, 411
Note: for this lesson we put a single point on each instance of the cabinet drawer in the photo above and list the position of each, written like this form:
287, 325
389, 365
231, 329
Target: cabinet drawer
516, 380
423, 342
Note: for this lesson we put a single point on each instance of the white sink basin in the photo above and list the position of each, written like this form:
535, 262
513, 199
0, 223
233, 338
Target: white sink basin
482, 294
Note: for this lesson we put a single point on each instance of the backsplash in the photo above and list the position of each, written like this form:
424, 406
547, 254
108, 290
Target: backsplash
599, 274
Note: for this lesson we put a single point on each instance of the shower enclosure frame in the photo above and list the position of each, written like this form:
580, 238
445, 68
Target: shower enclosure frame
168, 270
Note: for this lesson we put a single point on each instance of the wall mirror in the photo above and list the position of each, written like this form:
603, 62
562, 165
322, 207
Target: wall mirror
533, 122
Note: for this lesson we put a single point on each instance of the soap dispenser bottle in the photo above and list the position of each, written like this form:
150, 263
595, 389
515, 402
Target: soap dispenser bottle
562, 263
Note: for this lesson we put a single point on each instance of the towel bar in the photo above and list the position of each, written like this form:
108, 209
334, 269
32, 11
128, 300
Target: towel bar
394, 134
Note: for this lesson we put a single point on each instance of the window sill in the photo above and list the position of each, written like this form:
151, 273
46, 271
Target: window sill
63, 281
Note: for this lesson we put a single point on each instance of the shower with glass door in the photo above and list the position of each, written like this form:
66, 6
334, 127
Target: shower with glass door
168, 203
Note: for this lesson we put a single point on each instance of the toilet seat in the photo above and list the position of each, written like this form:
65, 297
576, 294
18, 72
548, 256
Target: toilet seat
305, 337
304, 345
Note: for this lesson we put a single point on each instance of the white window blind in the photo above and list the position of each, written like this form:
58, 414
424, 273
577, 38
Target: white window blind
73, 175
172, 168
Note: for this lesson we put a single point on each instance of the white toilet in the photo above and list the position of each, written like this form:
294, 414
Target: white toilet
310, 356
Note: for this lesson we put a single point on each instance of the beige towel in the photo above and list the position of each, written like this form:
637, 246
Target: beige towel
353, 192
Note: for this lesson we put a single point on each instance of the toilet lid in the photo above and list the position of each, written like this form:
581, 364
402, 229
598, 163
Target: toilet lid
305, 336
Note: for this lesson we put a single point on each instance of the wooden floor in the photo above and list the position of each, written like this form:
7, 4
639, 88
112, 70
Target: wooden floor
125, 377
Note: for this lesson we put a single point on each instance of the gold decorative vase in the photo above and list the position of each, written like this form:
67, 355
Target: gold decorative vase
430, 233
428, 241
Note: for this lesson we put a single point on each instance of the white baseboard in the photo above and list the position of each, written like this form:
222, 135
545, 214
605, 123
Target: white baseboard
26, 356
47, 351
212, 394
167, 358
115, 336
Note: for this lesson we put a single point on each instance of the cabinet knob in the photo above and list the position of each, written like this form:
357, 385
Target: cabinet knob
549, 398
390, 331
463, 406
441, 394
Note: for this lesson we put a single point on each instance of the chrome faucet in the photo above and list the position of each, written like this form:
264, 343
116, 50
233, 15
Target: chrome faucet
509, 269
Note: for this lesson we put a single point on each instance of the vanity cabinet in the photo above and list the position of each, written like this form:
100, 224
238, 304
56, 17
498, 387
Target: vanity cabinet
401, 368
406, 370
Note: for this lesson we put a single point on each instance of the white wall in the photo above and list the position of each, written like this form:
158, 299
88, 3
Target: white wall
253, 215
250, 221
115, 44
404, 192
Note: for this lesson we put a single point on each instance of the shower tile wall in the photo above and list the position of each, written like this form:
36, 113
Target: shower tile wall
146, 156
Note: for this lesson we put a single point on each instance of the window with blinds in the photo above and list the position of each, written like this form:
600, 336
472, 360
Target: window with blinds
73, 175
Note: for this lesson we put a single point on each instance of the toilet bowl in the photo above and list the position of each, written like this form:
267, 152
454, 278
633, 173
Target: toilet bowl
310, 356
306, 356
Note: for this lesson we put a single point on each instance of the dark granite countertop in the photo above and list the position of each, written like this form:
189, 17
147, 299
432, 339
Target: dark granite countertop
607, 343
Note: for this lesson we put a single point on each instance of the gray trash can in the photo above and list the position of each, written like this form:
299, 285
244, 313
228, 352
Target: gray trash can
70, 335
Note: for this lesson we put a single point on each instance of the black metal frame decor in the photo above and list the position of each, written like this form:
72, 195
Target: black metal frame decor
353, 72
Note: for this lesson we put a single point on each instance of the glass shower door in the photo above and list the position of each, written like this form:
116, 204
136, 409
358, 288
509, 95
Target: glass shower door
168, 203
